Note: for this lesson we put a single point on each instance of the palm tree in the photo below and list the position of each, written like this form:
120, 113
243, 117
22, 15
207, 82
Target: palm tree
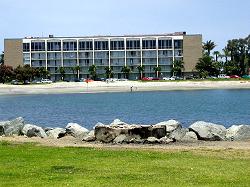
208, 46
77, 70
126, 70
216, 54
43, 72
62, 72
226, 54
92, 71
157, 70
108, 72
178, 66
141, 70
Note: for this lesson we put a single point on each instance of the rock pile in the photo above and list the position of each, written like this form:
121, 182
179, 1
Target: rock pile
119, 132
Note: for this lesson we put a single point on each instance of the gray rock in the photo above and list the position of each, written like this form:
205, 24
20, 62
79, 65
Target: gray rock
121, 139
76, 130
178, 134
165, 140
189, 137
13, 127
90, 137
33, 131
118, 122
106, 134
171, 125
152, 140
238, 132
56, 133
208, 131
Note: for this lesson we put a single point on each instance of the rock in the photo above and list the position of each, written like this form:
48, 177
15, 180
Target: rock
178, 134
208, 131
145, 131
76, 130
46, 129
152, 140
33, 131
56, 133
106, 134
13, 127
238, 132
171, 125
90, 137
165, 140
118, 122
189, 137
121, 139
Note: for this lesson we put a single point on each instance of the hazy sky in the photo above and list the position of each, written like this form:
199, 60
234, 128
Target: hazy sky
217, 20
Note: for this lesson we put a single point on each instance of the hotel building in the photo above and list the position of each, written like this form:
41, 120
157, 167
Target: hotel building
105, 51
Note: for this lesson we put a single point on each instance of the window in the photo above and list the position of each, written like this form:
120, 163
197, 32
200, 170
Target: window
85, 45
37, 46
54, 46
70, 46
26, 47
133, 44
101, 45
165, 44
149, 44
117, 45
178, 44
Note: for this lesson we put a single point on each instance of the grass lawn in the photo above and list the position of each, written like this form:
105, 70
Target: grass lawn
32, 165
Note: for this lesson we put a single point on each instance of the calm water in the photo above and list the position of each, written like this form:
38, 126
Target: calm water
225, 107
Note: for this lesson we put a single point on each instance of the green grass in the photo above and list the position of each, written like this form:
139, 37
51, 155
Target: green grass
32, 165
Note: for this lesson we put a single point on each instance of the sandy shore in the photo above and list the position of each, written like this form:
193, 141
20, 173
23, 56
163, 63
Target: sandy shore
70, 141
119, 86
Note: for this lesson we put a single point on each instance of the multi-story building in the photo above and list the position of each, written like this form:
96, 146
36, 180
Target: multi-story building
105, 51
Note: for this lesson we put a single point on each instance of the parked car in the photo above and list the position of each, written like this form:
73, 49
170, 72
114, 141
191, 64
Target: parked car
82, 79
147, 78
122, 79
46, 81
155, 79
234, 76
246, 76
14, 82
36, 82
223, 76
26, 82
168, 78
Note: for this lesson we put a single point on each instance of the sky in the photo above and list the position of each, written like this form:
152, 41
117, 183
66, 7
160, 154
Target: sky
216, 20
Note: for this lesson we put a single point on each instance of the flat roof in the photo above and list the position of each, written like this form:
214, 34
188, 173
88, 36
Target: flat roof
106, 36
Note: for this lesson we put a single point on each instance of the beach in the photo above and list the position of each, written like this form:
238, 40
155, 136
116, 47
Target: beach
119, 86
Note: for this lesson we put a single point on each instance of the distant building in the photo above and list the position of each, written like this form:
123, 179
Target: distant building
105, 51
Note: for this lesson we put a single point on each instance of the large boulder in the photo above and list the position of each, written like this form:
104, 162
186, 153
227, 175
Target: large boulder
145, 131
177, 134
33, 131
208, 131
170, 125
13, 127
76, 130
238, 132
152, 140
189, 137
56, 133
106, 133
90, 137
118, 122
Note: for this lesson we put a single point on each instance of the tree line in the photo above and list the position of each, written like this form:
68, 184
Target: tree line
234, 59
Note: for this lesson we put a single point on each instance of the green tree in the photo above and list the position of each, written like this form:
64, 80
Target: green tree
62, 72
216, 54
206, 67
141, 69
43, 73
157, 70
24, 73
126, 70
208, 46
92, 71
2, 58
108, 72
178, 67
6, 73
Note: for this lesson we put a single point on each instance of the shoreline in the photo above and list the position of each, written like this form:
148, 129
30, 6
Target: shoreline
126, 86
69, 141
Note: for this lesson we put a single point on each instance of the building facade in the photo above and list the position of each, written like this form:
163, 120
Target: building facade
105, 51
